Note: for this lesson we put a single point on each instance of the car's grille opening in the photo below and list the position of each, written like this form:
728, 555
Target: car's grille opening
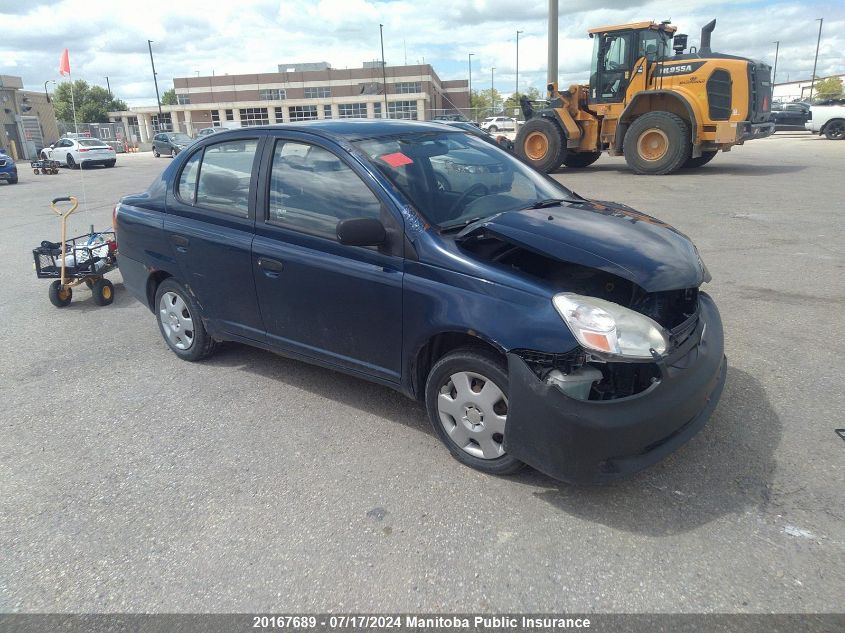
719, 88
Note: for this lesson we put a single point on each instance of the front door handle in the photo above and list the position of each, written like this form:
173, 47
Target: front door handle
271, 267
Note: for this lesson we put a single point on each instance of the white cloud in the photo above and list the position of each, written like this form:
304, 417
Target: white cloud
254, 36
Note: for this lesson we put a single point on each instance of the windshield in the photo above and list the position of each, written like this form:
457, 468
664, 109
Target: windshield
183, 138
91, 142
454, 178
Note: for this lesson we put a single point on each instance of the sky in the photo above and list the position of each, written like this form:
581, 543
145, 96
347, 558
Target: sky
251, 36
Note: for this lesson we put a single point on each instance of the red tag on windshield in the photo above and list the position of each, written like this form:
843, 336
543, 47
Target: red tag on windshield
397, 159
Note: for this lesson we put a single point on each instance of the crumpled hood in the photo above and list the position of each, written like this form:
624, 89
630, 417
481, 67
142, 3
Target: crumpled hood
606, 236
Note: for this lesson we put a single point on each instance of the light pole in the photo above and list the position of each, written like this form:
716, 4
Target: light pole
108, 86
775, 70
492, 92
383, 71
516, 92
816, 60
469, 64
155, 80
551, 77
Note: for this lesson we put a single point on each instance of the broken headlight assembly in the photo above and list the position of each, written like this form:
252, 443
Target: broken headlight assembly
609, 328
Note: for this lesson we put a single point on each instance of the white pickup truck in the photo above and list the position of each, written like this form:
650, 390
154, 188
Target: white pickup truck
828, 120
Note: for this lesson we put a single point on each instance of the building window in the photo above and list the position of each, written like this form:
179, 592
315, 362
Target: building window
371, 88
327, 111
352, 110
215, 118
377, 110
408, 87
166, 124
254, 116
230, 115
183, 99
280, 114
272, 94
320, 92
402, 110
303, 113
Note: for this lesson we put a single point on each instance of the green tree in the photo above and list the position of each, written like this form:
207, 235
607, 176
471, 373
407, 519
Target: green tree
93, 103
512, 102
481, 103
830, 88
168, 97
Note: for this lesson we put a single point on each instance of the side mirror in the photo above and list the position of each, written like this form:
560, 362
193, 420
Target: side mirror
361, 232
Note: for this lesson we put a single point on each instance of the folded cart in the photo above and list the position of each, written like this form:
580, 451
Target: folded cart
44, 166
76, 260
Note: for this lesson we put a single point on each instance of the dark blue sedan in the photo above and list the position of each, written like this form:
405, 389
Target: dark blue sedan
538, 327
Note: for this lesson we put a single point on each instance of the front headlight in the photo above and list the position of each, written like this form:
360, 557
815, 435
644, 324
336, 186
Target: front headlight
608, 327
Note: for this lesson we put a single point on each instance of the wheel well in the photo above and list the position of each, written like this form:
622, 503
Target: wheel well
437, 347
647, 102
153, 282
835, 120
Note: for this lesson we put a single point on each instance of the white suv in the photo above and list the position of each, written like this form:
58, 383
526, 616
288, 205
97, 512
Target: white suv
495, 123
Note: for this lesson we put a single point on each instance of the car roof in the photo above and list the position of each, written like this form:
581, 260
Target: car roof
353, 129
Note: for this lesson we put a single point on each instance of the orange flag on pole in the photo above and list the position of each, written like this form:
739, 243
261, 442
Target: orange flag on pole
64, 64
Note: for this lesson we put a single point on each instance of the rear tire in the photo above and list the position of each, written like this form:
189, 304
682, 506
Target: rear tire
71, 164
540, 143
835, 130
111, 163
581, 159
700, 161
60, 297
492, 129
474, 435
180, 322
657, 143
103, 291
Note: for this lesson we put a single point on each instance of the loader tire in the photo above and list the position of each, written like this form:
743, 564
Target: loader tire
581, 159
541, 144
657, 143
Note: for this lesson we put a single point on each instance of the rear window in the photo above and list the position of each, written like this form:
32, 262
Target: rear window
91, 142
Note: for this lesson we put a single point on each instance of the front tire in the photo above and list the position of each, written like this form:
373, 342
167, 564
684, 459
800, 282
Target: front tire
13, 180
700, 161
835, 130
173, 153
156, 154
180, 323
466, 399
657, 143
103, 291
60, 297
540, 144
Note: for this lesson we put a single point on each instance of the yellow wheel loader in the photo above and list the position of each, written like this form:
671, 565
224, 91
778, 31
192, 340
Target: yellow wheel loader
661, 111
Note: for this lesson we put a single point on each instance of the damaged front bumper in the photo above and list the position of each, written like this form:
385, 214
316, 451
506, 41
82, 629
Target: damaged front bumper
591, 441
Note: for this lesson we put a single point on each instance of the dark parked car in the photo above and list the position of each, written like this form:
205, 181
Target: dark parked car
790, 116
538, 327
8, 169
170, 143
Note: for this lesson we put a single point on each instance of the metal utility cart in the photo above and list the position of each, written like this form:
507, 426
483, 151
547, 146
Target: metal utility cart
44, 166
76, 260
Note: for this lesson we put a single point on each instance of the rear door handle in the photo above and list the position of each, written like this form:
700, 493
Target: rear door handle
181, 242
271, 267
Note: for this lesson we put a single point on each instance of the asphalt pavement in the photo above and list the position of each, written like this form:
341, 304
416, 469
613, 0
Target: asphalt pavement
133, 481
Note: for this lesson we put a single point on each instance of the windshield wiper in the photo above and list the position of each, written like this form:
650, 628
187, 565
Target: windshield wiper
548, 202
462, 223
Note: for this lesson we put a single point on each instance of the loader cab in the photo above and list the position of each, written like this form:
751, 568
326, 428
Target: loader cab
615, 52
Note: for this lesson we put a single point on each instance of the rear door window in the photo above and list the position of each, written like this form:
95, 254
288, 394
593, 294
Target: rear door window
224, 177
